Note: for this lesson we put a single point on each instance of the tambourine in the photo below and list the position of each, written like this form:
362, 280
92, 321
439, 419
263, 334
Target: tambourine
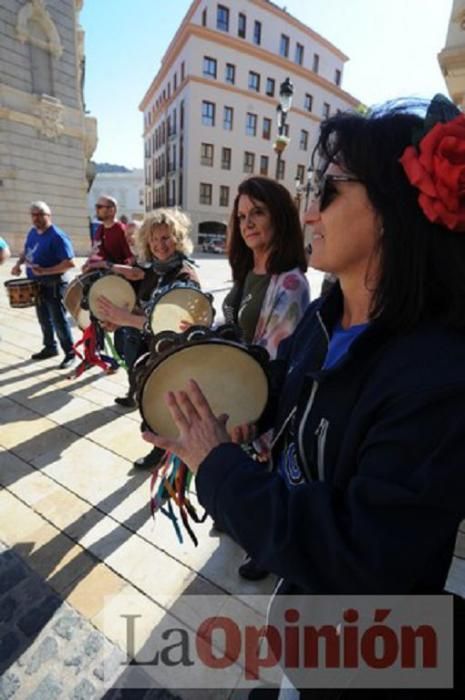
182, 302
73, 300
232, 376
116, 288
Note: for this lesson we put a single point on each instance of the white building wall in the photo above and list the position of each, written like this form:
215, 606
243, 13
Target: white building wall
195, 42
127, 188
272, 28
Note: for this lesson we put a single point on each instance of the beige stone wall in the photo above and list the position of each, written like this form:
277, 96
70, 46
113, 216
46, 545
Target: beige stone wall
452, 57
45, 138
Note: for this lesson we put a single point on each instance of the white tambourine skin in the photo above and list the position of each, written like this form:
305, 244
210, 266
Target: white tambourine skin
232, 380
180, 304
117, 289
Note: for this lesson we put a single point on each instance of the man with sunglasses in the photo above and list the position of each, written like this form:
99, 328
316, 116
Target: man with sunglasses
110, 242
48, 254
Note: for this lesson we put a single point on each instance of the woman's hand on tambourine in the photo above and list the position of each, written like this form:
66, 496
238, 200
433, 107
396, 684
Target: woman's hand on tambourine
243, 434
108, 326
184, 325
111, 313
134, 274
199, 429
94, 265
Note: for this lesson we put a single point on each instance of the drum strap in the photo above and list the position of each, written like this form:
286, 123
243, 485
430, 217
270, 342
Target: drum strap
175, 479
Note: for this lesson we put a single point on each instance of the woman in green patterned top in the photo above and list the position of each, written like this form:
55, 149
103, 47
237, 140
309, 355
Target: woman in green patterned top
267, 256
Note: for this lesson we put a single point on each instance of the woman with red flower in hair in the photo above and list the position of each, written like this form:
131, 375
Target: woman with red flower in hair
368, 488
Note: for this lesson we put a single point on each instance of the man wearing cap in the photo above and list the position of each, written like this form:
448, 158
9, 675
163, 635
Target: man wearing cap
48, 254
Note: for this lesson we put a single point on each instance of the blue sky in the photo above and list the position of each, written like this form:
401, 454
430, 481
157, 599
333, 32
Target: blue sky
392, 46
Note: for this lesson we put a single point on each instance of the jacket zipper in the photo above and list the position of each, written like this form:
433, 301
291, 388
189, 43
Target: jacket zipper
320, 434
308, 408
300, 436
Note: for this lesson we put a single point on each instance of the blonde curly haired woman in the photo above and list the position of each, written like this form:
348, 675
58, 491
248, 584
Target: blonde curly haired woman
163, 244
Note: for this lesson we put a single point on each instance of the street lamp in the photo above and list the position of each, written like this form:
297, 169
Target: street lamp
300, 188
286, 91
309, 187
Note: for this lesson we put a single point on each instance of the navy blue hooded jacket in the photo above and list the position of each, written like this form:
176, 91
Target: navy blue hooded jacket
374, 499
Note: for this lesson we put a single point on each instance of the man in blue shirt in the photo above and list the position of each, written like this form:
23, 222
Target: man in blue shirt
48, 254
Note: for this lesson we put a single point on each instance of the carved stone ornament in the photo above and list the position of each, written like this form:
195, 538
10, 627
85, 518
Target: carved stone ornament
459, 18
50, 112
35, 11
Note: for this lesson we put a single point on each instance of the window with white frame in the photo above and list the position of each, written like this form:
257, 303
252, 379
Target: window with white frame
224, 196
208, 113
254, 81
230, 73
303, 142
264, 161
209, 67
228, 116
266, 131
249, 162
250, 124
225, 158
205, 193
222, 18
206, 154
241, 25
270, 87
299, 54
284, 46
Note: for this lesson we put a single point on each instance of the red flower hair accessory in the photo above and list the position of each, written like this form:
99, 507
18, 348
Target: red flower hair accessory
435, 165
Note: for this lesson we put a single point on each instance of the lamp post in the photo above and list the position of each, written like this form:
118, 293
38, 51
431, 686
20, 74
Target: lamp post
300, 188
309, 185
286, 91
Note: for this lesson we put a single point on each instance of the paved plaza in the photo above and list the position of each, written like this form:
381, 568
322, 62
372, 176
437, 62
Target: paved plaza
76, 534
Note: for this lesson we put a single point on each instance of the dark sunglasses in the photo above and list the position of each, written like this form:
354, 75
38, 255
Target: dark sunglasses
103, 206
324, 190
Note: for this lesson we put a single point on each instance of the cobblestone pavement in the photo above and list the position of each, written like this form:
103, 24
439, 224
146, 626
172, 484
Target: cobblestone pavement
75, 526
49, 651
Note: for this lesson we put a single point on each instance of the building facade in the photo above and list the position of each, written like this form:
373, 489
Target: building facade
452, 57
127, 188
46, 140
210, 111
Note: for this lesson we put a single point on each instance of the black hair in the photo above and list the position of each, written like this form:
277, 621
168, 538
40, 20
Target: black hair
422, 264
287, 245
